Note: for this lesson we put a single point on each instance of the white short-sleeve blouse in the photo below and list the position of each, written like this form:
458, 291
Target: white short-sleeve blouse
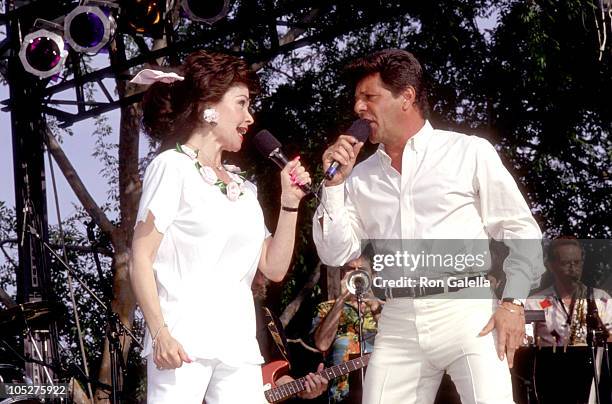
206, 260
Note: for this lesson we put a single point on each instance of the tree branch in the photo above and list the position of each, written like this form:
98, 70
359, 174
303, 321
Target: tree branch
8, 257
77, 185
6, 300
290, 36
295, 304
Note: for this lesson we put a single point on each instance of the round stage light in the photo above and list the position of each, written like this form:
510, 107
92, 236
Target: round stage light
206, 11
88, 28
42, 53
144, 16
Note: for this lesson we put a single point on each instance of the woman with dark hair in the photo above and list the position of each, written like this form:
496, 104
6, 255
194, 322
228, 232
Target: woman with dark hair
200, 235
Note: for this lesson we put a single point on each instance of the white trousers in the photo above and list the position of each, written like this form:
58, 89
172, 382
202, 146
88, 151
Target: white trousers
419, 339
203, 379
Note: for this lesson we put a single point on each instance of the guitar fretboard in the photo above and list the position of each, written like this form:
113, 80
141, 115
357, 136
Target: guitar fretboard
289, 389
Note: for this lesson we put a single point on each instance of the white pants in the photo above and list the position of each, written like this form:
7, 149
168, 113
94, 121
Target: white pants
209, 380
419, 339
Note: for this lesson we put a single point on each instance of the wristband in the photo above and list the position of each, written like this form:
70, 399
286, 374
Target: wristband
513, 311
288, 209
516, 302
157, 333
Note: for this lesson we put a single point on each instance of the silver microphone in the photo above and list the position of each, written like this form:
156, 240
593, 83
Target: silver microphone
358, 282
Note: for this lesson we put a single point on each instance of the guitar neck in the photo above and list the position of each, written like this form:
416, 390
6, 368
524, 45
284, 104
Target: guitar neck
289, 389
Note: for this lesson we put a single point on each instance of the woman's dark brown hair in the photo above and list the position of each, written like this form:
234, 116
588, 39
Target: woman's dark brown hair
171, 112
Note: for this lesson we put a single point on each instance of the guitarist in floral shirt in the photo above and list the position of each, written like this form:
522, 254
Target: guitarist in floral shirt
273, 342
336, 328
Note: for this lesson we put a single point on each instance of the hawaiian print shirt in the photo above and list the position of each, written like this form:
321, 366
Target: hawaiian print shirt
346, 341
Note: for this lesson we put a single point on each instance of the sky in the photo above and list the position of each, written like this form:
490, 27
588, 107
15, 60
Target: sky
78, 148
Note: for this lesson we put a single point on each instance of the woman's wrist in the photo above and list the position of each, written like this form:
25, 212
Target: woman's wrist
155, 326
157, 332
289, 205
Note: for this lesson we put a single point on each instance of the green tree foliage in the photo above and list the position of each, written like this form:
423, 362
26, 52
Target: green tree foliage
547, 91
91, 314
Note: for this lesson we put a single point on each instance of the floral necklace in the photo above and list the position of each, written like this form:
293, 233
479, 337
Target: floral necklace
233, 190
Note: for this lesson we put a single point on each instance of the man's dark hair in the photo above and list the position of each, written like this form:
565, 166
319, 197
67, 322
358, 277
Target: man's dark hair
398, 70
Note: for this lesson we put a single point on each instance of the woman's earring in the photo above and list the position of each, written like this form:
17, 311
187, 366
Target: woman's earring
211, 116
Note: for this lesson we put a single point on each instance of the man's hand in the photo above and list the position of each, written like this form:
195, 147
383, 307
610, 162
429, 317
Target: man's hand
375, 304
344, 151
344, 293
509, 321
315, 385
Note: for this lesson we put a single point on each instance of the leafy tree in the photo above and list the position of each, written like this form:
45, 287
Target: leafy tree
547, 88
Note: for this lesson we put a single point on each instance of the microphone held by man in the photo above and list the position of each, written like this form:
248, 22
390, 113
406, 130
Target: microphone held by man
360, 130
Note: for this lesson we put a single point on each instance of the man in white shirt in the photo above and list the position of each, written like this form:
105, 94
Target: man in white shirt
565, 303
421, 184
569, 309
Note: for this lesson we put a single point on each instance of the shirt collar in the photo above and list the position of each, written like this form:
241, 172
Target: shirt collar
417, 142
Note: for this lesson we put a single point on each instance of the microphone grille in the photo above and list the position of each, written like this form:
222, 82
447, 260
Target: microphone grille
265, 142
360, 129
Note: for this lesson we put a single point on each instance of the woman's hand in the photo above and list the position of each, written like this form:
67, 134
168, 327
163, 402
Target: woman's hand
292, 176
168, 353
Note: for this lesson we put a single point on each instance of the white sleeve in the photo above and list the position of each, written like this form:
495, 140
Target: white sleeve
605, 309
507, 217
161, 193
338, 232
253, 187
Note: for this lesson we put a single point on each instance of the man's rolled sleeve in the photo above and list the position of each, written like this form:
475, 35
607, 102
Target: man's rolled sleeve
507, 217
333, 198
335, 236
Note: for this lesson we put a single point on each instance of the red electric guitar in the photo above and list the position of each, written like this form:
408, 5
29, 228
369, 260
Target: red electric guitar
273, 370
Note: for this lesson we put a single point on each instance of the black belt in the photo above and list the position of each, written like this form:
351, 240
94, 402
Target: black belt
417, 292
